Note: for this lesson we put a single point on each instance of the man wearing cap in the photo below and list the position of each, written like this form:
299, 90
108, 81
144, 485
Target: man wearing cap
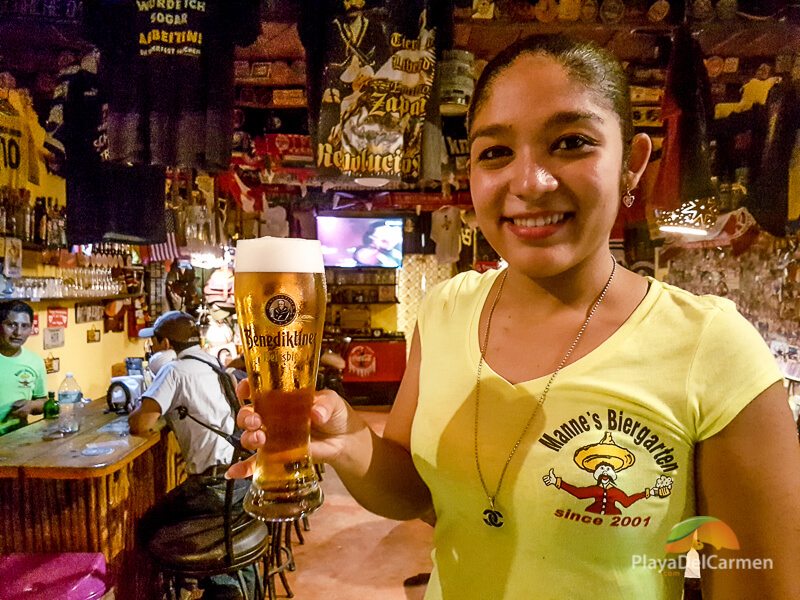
192, 382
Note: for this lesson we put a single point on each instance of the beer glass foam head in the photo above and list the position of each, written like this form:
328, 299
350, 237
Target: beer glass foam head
279, 255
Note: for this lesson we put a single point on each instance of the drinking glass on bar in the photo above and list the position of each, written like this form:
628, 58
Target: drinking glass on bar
280, 303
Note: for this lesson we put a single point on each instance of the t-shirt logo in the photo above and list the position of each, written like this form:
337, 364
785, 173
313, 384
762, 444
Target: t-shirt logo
25, 378
605, 460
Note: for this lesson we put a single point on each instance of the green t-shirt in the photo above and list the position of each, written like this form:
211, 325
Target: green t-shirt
23, 378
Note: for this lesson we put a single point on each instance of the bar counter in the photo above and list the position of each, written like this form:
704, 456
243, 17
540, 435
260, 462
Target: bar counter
61, 495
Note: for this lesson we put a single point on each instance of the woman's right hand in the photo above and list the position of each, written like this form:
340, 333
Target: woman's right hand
332, 419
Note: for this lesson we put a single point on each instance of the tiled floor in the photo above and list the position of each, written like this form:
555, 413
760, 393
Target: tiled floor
351, 554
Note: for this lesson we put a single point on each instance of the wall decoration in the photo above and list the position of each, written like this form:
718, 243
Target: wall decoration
53, 338
377, 79
57, 316
86, 313
93, 335
12, 266
52, 364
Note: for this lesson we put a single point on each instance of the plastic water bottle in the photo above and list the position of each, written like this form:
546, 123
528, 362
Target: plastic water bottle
70, 405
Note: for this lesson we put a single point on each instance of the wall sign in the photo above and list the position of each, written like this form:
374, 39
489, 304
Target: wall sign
57, 316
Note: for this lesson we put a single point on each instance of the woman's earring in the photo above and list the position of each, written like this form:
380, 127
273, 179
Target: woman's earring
628, 198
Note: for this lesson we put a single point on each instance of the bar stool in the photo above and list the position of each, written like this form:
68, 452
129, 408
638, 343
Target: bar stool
203, 546
65, 575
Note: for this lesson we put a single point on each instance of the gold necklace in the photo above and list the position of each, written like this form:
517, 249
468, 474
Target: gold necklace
491, 516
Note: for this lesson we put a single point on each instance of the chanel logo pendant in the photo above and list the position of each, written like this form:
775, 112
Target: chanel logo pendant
493, 518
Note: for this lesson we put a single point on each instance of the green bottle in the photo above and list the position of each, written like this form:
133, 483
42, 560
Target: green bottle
51, 406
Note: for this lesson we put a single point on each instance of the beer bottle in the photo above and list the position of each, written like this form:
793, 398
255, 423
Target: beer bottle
51, 406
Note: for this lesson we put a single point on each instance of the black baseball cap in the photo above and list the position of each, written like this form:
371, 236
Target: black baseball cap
176, 326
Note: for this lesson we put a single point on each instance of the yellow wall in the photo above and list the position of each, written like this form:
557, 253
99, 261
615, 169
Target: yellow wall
384, 316
89, 363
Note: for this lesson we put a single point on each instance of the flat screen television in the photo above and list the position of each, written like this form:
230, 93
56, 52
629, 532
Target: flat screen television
361, 241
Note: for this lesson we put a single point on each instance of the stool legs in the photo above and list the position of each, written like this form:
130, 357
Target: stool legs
242, 585
280, 557
277, 565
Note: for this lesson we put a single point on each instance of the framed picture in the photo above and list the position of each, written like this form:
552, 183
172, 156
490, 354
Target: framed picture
86, 313
52, 364
241, 68
260, 69
13, 258
93, 335
53, 337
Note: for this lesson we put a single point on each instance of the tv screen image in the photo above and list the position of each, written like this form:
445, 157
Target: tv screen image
361, 241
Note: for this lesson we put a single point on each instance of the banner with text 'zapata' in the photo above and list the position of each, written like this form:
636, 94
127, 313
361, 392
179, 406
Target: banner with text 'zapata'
374, 76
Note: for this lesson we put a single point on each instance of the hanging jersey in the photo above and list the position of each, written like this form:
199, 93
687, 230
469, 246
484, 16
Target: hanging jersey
446, 232
17, 144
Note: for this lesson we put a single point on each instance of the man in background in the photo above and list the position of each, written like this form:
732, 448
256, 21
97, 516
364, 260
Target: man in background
192, 383
22, 374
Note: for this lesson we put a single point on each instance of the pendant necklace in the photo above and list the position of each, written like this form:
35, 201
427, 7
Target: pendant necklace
492, 516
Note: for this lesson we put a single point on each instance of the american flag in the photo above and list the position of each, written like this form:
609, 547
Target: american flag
165, 251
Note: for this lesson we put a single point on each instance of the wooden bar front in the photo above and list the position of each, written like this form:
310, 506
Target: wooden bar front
55, 498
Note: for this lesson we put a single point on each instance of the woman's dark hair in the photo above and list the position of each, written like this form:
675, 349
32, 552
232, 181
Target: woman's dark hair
9, 306
593, 66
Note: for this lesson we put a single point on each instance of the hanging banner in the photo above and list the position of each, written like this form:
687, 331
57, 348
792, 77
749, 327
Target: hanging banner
377, 81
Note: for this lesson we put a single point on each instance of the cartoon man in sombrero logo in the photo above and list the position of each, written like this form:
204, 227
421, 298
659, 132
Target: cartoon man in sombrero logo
605, 460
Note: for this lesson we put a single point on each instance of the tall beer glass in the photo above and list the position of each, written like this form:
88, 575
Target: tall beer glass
280, 303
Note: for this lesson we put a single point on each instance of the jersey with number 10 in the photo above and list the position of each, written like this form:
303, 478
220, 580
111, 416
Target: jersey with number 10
17, 146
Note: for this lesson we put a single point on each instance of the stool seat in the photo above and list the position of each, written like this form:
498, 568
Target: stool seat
196, 547
64, 575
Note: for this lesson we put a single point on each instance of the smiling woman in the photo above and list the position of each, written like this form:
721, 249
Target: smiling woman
565, 384
22, 373
543, 171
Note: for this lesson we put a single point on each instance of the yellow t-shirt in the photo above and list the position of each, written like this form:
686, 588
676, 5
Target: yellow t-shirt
676, 372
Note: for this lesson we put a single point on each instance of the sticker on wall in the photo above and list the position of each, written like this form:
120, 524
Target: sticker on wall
53, 338
93, 335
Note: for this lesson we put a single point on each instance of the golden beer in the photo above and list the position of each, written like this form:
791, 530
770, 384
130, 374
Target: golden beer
280, 303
